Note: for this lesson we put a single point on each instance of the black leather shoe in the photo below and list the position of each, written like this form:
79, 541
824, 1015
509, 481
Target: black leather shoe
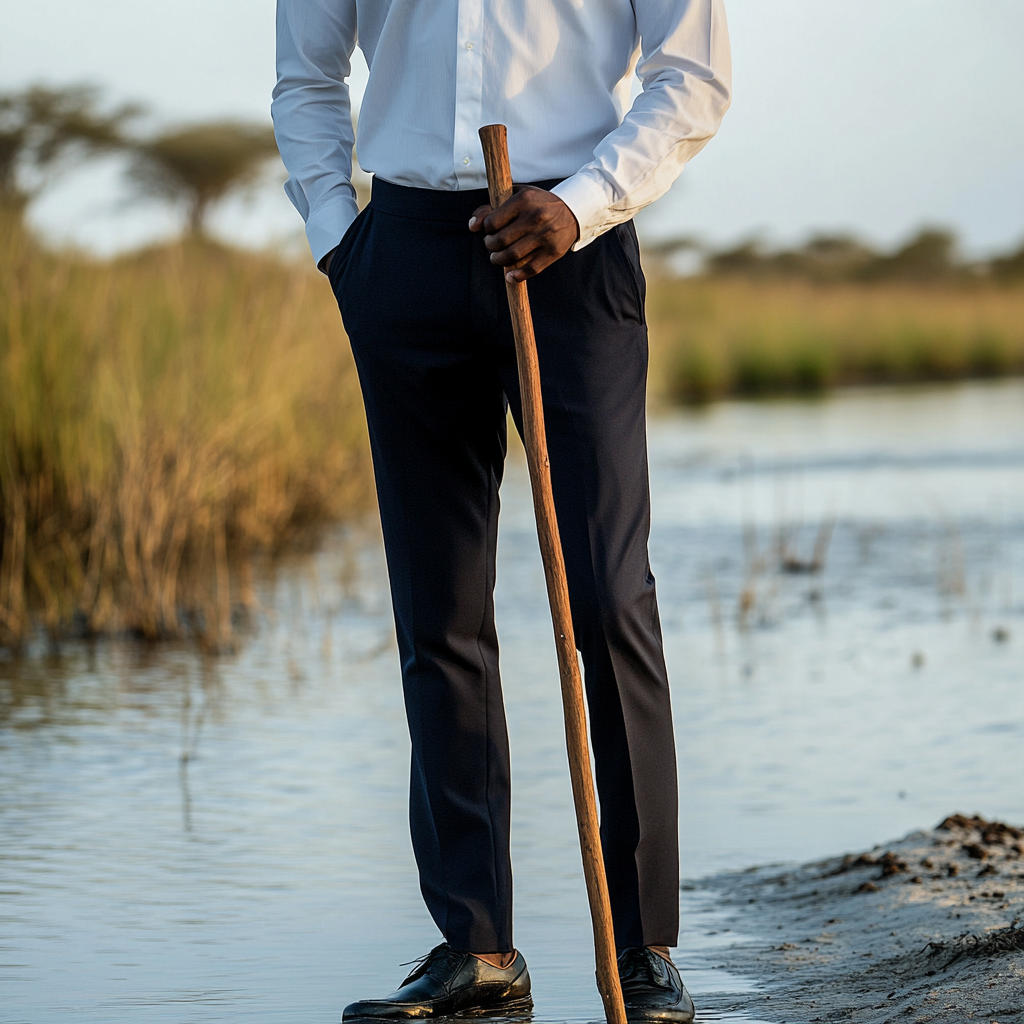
445, 982
652, 989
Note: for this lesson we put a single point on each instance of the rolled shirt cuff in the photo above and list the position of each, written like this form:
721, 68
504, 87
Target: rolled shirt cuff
327, 224
590, 199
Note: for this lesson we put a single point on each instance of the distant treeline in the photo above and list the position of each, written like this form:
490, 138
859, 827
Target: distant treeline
46, 132
932, 255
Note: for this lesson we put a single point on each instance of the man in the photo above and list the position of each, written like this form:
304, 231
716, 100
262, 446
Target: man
419, 280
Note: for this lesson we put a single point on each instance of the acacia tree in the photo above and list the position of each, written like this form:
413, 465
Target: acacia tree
199, 165
44, 130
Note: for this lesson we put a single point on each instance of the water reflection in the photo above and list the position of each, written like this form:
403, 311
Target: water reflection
194, 839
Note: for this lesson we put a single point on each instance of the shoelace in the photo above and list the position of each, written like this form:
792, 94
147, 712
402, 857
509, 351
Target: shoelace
638, 963
441, 956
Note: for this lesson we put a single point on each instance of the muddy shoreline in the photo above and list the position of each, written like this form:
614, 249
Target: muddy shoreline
926, 929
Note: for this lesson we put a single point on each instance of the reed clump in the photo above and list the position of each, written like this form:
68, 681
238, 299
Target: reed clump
719, 336
163, 416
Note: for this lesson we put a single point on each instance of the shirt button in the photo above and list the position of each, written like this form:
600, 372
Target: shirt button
465, 160
469, 46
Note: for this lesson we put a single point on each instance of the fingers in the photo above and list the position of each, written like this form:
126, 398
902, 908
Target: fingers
516, 251
526, 257
476, 222
532, 267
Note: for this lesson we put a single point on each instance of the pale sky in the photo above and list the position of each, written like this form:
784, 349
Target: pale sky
875, 117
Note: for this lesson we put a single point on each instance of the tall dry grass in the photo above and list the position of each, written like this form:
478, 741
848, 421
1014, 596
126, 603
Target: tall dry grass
719, 336
162, 417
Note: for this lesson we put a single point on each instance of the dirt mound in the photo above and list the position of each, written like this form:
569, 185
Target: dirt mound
933, 933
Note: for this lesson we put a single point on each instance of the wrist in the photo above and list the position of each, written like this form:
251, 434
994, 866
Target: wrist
325, 264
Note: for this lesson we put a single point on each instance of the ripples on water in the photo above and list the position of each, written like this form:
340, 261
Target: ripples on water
184, 839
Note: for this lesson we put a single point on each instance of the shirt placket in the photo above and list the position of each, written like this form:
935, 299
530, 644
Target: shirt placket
469, 85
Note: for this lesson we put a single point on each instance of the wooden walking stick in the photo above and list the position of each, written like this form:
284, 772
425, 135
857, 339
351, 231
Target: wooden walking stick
499, 182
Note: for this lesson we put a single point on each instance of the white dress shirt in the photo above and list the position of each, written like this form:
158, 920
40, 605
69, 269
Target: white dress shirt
556, 72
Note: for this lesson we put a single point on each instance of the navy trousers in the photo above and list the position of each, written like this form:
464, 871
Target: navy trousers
428, 321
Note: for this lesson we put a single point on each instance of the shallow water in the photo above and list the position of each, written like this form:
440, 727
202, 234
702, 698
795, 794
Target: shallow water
186, 839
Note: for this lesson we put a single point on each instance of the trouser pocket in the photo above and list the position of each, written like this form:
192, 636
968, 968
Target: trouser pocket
340, 259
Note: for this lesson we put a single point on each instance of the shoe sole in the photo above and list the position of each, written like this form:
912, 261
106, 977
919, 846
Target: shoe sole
670, 1017
513, 1008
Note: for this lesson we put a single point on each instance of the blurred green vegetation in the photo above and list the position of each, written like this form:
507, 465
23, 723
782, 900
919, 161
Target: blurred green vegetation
755, 336
757, 321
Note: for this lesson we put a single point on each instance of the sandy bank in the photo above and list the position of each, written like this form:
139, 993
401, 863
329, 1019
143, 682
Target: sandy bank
928, 928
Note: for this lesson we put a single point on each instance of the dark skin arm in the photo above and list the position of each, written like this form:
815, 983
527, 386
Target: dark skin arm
528, 232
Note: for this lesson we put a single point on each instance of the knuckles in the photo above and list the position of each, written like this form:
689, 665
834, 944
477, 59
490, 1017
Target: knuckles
528, 233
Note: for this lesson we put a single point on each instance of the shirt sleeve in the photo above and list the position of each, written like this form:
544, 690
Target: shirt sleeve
685, 69
313, 115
